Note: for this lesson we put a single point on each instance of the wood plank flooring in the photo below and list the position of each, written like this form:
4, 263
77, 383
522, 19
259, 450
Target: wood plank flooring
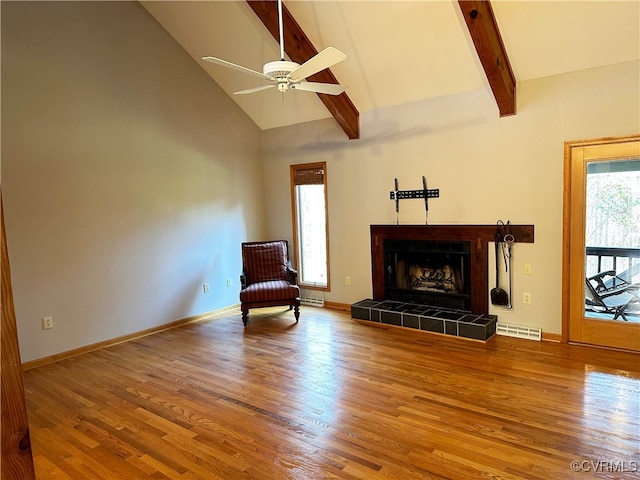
330, 398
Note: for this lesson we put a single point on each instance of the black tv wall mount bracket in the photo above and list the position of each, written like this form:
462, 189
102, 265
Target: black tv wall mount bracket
425, 193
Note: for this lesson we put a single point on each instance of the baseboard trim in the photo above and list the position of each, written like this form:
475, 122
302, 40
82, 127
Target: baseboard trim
551, 337
346, 307
124, 338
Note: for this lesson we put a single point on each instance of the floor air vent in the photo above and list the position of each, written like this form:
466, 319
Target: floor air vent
312, 301
519, 331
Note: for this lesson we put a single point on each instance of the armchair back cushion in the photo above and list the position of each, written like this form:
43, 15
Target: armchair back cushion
265, 261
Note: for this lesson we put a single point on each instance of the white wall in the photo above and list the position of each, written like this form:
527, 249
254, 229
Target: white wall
487, 168
129, 177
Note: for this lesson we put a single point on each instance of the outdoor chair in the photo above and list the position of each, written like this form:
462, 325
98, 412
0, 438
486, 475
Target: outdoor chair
606, 292
267, 278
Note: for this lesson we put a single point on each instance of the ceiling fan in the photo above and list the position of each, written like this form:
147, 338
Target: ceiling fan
290, 75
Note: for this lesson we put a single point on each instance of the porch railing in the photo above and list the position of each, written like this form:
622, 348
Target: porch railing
624, 261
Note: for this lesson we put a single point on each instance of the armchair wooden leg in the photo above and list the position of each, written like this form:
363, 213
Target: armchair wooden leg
245, 318
296, 312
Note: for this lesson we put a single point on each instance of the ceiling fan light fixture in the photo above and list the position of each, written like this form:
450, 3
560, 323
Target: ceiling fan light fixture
283, 86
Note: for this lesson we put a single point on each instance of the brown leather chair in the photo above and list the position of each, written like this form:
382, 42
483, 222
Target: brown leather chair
267, 278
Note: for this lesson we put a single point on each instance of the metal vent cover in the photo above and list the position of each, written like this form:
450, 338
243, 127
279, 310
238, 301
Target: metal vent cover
312, 301
519, 331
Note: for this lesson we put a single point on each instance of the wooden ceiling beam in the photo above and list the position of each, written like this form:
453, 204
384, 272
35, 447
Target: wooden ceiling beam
483, 28
300, 49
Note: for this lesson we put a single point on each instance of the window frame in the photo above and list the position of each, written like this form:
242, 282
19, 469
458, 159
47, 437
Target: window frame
294, 169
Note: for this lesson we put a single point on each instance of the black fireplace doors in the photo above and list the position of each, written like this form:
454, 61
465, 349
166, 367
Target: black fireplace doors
436, 273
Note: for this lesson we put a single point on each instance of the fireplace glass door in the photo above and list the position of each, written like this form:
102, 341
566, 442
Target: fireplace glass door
434, 273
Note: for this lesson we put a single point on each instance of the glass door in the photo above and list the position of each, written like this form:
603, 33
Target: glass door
604, 242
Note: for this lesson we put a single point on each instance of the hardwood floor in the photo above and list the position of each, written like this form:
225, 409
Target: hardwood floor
330, 398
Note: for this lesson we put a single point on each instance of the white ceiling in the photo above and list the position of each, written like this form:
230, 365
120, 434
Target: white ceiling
398, 51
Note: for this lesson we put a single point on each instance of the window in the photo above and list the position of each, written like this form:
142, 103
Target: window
310, 224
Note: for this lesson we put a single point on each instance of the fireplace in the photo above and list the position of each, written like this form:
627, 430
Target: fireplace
473, 239
433, 278
436, 273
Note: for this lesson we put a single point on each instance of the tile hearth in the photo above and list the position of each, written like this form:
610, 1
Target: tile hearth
447, 321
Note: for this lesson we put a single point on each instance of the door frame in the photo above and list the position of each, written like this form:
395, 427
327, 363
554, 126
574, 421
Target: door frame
574, 326
15, 454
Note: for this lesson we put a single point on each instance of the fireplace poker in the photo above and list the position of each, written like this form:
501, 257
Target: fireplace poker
498, 295
508, 241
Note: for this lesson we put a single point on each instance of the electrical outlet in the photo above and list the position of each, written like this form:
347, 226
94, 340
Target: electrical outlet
228, 282
527, 269
347, 280
526, 298
47, 323
205, 287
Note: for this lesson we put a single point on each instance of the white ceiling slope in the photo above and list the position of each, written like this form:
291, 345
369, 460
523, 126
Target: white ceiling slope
398, 51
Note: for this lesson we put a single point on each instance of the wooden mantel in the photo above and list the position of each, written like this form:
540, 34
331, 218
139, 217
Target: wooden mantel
478, 235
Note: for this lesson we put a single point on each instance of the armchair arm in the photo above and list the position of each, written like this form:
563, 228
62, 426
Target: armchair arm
243, 280
609, 286
610, 273
292, 274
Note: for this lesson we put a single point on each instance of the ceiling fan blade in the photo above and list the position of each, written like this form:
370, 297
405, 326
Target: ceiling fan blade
325, 59
255, 89
224, 63
327, 88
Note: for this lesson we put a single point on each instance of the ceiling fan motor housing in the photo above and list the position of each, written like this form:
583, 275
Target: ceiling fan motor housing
279, 69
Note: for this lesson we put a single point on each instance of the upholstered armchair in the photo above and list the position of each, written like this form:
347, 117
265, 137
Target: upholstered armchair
267, 278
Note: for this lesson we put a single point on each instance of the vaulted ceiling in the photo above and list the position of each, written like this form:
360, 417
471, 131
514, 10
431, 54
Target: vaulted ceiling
399, 51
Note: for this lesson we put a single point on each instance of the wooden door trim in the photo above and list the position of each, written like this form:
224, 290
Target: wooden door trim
573, 192
17, 458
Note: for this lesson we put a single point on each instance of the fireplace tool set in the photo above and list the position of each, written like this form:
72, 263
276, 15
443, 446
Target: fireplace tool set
425, 193
503, 240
